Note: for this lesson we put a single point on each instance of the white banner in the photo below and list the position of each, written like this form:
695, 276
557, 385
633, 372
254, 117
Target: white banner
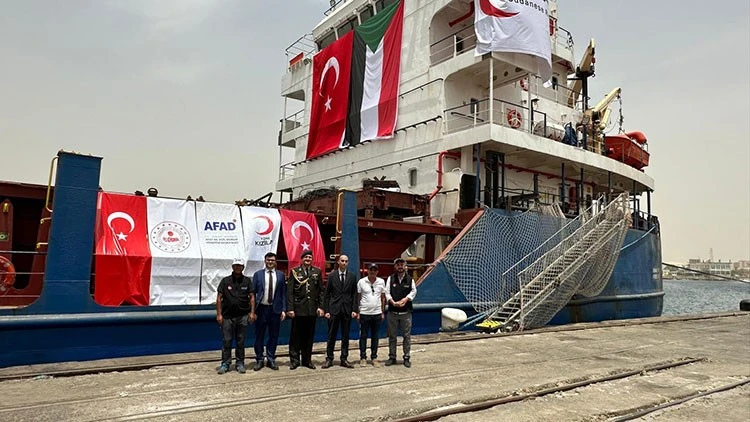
221, 241
515, 26
175, 252
261, 229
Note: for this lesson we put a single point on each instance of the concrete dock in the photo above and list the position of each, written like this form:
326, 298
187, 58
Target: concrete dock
696, 368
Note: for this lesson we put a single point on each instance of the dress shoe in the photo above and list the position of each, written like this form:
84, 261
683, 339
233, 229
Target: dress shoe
272, 365
346, 364
390, 362
309, 365
327, 364
258, 366
293, 365
407, 363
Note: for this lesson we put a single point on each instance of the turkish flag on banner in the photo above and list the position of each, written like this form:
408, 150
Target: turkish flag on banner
123, 258
301, 233
330, 97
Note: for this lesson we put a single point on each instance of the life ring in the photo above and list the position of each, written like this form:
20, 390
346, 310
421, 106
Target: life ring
524, 84
7, 273
514, 118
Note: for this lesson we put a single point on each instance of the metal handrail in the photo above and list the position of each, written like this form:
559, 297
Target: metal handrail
563, 229
574, 236
451, 35
420, 87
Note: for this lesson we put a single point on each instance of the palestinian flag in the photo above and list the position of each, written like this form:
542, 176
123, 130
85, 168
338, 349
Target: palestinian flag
369, 59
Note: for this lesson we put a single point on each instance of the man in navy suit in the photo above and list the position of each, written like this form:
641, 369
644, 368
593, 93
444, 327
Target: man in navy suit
340, 306
270, 290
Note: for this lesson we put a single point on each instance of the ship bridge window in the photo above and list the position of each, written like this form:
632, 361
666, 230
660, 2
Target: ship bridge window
381, 4
326, 40
366, 13
348, 26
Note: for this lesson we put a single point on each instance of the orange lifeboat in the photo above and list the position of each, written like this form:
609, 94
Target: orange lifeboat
628, 148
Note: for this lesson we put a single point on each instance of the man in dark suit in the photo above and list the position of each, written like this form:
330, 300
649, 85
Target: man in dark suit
270, 292
304, 299
339, 305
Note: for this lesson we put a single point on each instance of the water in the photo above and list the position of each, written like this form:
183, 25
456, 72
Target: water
683, 297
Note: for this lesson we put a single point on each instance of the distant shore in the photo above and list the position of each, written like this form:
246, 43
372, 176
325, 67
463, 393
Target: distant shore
704, 279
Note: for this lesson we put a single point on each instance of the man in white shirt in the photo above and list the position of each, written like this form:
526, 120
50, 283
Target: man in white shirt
371, 299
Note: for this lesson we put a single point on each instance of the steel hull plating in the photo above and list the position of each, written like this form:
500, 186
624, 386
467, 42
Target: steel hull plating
634, 291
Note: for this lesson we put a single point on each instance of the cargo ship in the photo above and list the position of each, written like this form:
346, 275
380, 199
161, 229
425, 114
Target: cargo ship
407, 131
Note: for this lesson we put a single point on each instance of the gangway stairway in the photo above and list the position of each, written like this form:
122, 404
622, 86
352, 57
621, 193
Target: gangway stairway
579, 264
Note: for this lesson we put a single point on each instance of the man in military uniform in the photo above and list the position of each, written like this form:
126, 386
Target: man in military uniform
304, 300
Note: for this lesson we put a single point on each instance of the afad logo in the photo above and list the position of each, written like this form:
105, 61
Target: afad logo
220, 225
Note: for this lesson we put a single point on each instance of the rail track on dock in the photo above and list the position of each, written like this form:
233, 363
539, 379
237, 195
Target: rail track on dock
461, 336
300, 374
214, 405
604, 362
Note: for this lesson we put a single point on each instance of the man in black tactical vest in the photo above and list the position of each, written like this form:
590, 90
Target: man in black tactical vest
304, 299
235, 309
400, 291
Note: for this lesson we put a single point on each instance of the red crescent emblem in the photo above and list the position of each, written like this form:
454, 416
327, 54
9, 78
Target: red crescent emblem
490, 10
270, 225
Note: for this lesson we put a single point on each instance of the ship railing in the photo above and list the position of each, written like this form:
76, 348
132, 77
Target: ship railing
564, 38
453, 45
299, 50
504, 113
293, 121
465, 40
334, 5
286, 170
556, 93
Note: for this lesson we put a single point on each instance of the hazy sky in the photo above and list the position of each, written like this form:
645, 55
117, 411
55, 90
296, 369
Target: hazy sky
184, 95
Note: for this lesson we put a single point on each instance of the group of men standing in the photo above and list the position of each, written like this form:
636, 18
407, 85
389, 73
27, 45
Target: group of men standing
303, 298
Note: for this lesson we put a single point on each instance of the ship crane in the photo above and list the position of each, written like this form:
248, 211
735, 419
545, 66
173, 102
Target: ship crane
598, 115
584, 70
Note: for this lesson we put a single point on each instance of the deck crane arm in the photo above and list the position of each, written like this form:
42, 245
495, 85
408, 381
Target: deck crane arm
585, 67
599, 114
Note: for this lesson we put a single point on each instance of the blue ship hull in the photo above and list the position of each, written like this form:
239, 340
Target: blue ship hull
66, 325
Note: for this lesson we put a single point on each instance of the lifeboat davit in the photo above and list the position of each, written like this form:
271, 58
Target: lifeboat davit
628, 148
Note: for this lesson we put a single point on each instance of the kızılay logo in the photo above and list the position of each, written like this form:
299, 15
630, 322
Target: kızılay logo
170, 237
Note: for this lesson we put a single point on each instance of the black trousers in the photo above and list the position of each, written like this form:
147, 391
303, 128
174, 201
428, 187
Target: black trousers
301, 339
369, 325
233, 329
344, 321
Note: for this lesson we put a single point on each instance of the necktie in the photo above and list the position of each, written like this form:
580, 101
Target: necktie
270, 286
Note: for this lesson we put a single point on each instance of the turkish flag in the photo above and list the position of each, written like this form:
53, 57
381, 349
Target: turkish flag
301, 233
330, 97
123, 257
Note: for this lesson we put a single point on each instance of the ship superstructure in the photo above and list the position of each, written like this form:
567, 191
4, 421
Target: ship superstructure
472, 129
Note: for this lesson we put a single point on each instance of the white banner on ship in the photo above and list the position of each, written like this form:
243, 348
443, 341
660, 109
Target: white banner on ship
261, 229
175, 252
515, 26
221, 241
